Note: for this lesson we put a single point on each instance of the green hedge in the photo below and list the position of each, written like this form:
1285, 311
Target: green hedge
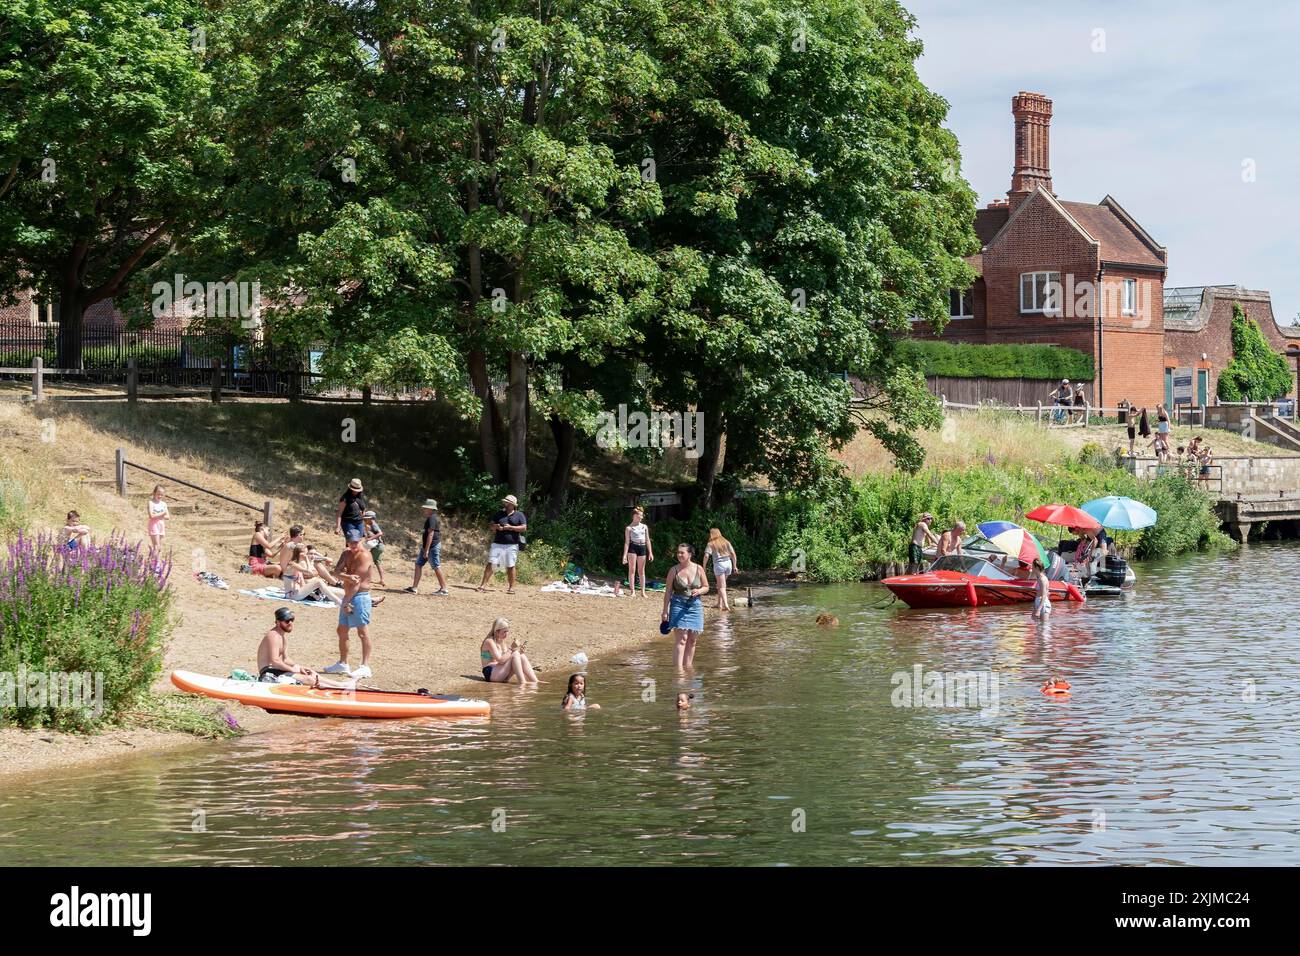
951, 360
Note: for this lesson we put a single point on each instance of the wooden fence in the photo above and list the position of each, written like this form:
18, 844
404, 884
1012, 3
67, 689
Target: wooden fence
999, 391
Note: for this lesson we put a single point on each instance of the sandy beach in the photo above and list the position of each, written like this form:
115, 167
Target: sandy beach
419, 640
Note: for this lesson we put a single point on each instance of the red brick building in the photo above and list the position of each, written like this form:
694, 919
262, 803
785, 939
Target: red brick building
1198, 335
1082, 275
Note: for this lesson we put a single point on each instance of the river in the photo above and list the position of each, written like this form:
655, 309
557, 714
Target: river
1178, 745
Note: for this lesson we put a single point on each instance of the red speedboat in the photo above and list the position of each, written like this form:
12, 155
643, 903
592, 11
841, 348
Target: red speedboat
975, 579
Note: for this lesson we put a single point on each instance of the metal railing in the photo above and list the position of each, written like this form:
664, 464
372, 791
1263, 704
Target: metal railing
1211, 481
121, 464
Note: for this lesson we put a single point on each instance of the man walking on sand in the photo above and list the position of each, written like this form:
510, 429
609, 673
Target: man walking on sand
507, 527
355, 612
430, 549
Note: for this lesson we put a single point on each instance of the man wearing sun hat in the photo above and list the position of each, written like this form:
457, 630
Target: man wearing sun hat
352, 505
430, 549
507, 527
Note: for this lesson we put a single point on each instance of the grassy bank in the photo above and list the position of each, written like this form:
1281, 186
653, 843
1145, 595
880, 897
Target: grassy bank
848, 535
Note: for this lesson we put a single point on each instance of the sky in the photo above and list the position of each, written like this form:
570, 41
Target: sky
1188, 113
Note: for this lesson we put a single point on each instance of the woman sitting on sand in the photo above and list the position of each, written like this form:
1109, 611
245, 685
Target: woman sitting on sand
302, 582
501, 661
258, 548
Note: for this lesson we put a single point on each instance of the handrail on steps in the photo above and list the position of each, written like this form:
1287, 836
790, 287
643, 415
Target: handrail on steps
120, 474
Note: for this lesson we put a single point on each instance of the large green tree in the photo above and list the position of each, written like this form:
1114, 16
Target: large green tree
805, 168
108, 149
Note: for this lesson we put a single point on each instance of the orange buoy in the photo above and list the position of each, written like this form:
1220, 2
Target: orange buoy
1055, 687
1074, 594
971, 597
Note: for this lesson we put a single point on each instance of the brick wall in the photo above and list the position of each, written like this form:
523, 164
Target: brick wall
1185, 348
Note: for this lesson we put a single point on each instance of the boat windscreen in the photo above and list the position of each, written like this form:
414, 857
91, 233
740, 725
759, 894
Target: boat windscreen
970, 564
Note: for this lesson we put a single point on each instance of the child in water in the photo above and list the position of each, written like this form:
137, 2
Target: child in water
576, 696
684, 701
1042, 591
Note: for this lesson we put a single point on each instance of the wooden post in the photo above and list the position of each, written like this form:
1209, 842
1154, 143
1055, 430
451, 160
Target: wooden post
1039, 419
365, 394
266, 516
38, 379
120, 474
295, 385
132, 381
1087, 413
216, 379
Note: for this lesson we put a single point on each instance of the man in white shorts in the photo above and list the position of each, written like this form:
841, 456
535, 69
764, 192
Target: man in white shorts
507, 527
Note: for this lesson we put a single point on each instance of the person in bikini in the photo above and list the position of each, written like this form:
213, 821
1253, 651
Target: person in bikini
303, 580
258, 548
637, 549
282, 548
355, 569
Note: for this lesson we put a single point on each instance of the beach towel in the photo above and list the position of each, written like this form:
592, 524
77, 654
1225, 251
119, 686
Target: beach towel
583, 587
273, 593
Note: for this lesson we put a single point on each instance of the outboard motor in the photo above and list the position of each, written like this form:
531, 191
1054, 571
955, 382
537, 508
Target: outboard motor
1113, 574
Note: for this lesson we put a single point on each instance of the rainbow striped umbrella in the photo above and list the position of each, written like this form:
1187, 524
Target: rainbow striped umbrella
1014, 540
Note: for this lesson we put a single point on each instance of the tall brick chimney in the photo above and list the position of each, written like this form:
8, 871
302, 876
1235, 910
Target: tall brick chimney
1033, 113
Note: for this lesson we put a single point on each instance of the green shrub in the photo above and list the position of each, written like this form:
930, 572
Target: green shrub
103, 611
953, 360
1256, 371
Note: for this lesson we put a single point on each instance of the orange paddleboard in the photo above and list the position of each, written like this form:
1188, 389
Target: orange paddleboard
326, 702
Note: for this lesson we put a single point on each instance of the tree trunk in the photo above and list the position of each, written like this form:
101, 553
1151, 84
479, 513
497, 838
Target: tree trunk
710, 463
72, 307
566, 442
518, 461
490, 426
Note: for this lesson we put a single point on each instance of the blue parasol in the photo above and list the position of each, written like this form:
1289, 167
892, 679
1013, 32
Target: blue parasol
1120, 513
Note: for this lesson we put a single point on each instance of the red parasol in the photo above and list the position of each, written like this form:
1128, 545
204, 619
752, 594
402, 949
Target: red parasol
1065, 515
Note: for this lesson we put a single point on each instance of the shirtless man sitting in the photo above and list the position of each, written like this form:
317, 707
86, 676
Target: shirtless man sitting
280, 553
273, 653
950, 541
354, 571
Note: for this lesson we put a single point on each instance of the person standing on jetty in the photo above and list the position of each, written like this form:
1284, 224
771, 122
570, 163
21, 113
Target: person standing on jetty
683, 608
355, 612
507, 527
352, 505
922, 537
430, 549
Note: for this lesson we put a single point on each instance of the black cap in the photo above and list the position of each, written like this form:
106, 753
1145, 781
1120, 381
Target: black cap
283, 614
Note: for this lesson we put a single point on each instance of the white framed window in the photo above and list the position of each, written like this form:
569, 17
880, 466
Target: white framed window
1130, 294
961, 304
44, 313
1040, 293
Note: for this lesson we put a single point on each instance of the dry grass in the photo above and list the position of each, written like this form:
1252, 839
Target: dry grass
973, 437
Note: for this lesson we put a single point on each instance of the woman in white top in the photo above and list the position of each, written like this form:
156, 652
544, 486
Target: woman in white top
724, 560
637, 549
158, 515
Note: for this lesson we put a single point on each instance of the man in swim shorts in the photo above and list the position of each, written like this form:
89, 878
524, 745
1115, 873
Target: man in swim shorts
921, 537
355, 570
273, 653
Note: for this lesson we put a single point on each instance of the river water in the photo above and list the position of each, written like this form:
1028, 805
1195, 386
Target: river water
1180, 744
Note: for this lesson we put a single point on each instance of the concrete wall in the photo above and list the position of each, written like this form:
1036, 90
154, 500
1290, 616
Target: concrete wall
1260, 477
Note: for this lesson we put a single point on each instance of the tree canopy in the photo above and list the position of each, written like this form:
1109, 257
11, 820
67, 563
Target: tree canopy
538, 208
